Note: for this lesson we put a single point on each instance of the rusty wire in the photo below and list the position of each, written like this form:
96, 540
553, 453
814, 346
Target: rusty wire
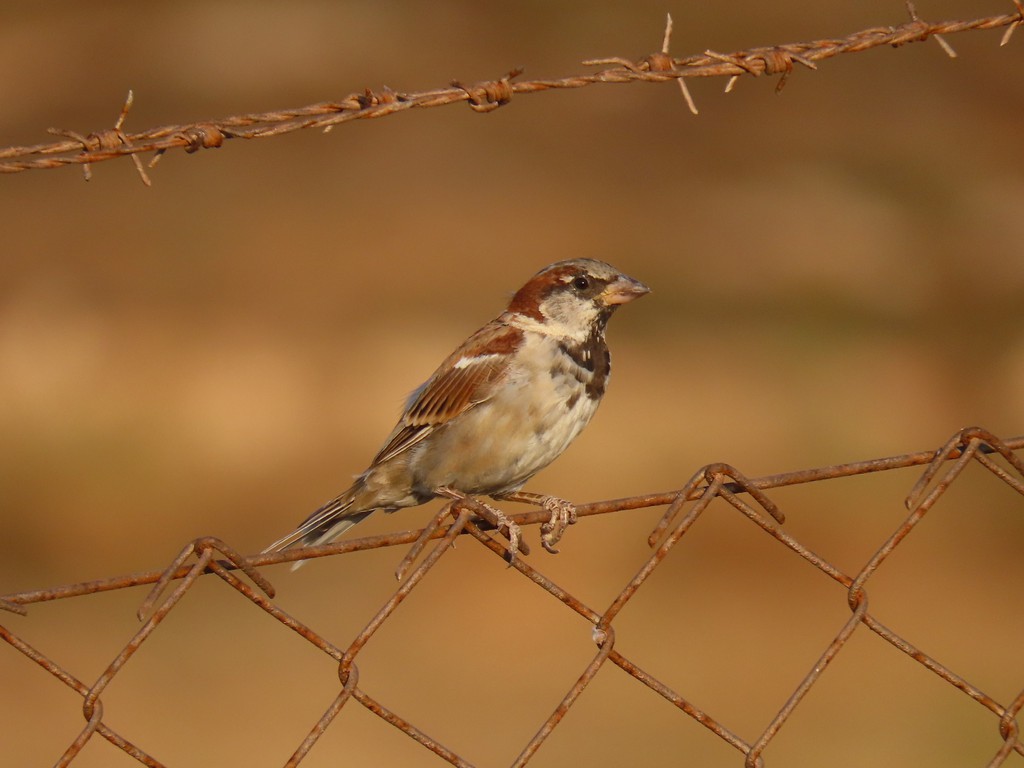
684, 506
83, 149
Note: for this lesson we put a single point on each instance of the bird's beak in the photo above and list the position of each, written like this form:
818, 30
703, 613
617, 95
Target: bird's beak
623, 290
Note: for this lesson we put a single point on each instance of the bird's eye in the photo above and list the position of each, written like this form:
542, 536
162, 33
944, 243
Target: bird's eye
581, 283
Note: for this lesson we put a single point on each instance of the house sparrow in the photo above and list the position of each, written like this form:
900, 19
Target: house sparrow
503, 406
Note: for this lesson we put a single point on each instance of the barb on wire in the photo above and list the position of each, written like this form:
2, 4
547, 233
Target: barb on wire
660, 67
109, 139
487, 97
925, 28
13, 608
663, 63
1020, 20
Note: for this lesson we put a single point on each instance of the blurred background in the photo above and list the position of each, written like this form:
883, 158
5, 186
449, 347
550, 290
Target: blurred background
837, 276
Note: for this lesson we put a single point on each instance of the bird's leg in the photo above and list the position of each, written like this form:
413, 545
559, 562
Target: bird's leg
495, 517
563, 514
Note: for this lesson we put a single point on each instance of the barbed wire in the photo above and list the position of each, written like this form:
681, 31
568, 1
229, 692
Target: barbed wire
684, 506
84, 149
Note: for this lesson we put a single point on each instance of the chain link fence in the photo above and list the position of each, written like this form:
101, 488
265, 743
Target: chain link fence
713, 486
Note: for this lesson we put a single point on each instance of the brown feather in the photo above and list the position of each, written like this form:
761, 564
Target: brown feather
453, 390
528, 299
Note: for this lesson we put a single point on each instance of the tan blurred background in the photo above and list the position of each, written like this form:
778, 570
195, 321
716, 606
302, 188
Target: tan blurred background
837, 275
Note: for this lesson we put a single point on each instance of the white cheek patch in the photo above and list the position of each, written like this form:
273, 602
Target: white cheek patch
465, 362
565, 318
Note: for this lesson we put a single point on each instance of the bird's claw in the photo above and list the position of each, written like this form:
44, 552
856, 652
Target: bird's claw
563, 514
512, 531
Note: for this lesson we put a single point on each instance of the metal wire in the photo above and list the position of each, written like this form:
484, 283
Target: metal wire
684, 506
84, 149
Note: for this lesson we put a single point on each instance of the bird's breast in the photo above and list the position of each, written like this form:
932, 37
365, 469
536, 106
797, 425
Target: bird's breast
547, 398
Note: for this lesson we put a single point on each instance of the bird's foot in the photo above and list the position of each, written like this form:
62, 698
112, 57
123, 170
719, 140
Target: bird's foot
563, 514
503, 524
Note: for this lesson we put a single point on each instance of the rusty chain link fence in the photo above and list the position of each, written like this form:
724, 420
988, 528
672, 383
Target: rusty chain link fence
717, 487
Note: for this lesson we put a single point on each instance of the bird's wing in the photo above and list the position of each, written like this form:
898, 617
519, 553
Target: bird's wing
468, 377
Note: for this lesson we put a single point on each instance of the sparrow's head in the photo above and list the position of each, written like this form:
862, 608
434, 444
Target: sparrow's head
574, 298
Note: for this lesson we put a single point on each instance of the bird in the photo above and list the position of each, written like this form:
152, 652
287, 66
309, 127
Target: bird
505, 404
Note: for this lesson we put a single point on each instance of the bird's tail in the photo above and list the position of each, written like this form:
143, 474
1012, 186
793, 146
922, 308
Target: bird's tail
323, 526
